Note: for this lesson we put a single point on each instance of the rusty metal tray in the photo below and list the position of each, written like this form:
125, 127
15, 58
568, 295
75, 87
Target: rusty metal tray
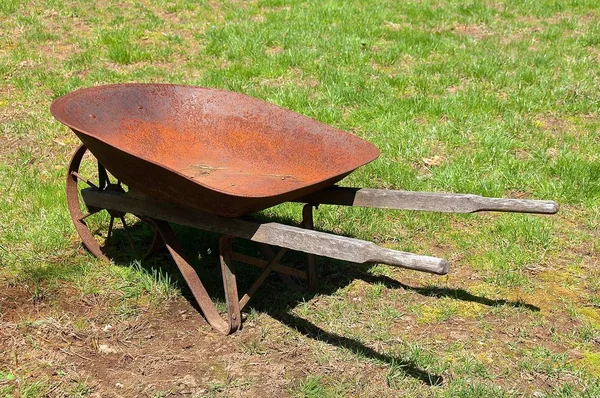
212, 150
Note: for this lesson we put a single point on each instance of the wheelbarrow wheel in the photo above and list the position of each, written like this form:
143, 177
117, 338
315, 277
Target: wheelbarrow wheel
97, 227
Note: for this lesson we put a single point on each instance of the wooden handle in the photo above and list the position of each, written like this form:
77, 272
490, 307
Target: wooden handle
426, 201
294, 238
514, 205
432, 265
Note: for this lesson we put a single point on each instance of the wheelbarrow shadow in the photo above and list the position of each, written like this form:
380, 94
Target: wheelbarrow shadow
276, 299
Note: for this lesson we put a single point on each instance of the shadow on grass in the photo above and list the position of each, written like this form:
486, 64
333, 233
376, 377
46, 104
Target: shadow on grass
410, 368
434, 291
277, 301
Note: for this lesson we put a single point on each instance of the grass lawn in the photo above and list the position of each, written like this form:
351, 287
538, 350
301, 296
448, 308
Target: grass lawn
497, 98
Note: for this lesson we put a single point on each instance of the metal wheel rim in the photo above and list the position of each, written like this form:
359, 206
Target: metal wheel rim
73, 204
78, 216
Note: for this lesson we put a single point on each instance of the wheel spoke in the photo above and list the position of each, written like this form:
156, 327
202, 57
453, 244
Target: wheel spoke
126, 228
82, 178
91, 213
110, 227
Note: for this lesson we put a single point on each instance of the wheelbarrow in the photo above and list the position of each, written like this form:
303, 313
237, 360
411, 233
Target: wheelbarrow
207, 158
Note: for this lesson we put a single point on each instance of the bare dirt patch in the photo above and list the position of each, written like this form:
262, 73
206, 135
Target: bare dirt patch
476, 32
393, 25
58, 52
65, 339
460, 86
10, 109
552, 124
169, 349
275, 50
294, 75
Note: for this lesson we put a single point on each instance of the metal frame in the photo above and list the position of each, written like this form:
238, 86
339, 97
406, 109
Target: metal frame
227, 256
111, 197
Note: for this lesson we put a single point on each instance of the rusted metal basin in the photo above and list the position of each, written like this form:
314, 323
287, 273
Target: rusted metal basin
212, 150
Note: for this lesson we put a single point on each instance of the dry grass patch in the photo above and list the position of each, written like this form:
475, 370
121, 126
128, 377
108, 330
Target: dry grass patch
476, 32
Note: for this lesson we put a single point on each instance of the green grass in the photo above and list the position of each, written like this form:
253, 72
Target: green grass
494, 98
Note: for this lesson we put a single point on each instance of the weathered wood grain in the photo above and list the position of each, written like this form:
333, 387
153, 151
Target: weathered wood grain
294, 238
426, 201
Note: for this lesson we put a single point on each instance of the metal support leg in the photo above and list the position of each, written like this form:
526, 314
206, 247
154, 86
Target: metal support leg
229, 282
272, 262
269, 254
227, 255
206, 304
308, 223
